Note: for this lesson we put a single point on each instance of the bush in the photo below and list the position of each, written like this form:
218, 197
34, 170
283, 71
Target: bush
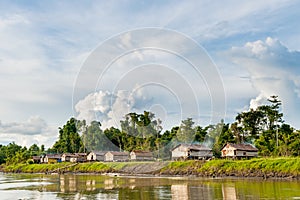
30, 161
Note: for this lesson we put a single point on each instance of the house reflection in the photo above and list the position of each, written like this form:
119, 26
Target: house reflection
185, 191
68, 183
90, 185
179, 192
109, 184
132, 183
228, 192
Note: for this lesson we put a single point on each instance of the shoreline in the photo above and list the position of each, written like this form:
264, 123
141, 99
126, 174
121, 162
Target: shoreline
289, 178
258, 168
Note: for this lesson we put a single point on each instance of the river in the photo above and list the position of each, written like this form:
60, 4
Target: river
71, 186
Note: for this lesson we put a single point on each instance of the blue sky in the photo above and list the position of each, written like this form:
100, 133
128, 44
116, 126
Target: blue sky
44, 45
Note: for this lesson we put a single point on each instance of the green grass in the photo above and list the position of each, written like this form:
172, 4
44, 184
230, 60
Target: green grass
34, 168
283, 166
258, 167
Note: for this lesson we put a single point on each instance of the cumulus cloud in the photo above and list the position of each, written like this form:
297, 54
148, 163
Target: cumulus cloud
34, 130
108, 107
34, 125
273, 70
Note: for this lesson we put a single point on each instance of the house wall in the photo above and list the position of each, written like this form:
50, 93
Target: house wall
144, 158
179, 152
120, 157
201, 154
95, 157
100, 157
246, 153
254, 154
229, 152
132, 156
52, 160
65, 158
109, 157
90, 156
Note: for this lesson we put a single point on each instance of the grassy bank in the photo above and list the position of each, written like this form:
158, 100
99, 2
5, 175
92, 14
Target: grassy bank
96, 167
259, 167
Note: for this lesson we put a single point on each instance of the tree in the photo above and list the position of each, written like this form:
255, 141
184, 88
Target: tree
271, 114
42, 148
200, 134
69, 140
141, 130
218, 136
117, 138
2, 154
34, 150
251, 124
237, 132
186, 131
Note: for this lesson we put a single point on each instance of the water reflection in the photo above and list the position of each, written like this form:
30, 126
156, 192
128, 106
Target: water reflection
105, 187
228, 192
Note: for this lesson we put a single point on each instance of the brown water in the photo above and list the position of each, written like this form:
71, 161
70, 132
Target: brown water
38, 186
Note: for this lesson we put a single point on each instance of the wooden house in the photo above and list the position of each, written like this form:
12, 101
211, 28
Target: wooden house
52, 158
191, 151
239, 151
74, 157
116, 156
42, 158
96, 156
138, 155
78, 157
36, 159
66, 157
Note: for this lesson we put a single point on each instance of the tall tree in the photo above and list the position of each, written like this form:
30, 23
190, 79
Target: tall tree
69, 140
200, 134
186, 131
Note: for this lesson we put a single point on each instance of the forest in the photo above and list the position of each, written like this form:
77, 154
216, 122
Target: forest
262, 127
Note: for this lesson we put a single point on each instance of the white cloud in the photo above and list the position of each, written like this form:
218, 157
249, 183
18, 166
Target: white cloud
34, 130
109, 108
43, 46
273, 70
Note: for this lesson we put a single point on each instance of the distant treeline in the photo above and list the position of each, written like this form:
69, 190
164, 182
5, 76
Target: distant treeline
263, 127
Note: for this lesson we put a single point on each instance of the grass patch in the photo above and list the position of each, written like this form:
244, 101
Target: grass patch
277, 167
282, 166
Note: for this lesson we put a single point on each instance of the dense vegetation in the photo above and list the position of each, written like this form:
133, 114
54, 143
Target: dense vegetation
263, 127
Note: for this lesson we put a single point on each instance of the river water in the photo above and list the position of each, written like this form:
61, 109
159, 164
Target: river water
71, 186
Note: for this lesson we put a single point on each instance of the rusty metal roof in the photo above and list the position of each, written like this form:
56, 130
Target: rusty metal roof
197, 147
142, 153
118, 153
245, 147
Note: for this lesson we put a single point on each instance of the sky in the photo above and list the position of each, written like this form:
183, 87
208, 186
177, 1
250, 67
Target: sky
98, 60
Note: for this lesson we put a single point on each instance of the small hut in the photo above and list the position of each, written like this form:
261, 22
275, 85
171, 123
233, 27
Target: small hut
191, 151
138, 155
96, 156
230, 150
116, 156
